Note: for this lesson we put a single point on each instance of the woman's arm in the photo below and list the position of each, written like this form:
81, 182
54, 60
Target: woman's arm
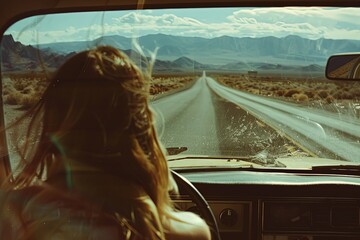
186, 225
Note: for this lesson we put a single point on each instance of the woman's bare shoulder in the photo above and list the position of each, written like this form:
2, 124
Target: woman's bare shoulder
187, 225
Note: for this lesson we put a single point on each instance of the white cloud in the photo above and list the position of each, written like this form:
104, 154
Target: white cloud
313, 15
311, 22
242, 20
165, 20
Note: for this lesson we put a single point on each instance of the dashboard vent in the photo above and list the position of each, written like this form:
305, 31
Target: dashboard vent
345, 216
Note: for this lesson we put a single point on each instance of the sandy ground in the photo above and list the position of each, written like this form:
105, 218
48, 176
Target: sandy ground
11, 113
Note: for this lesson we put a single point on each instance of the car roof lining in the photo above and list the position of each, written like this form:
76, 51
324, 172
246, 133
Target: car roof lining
12, 11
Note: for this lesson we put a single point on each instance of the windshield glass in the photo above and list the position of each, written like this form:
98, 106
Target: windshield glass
228, 83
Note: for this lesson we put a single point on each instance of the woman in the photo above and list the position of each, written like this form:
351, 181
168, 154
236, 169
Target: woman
97, 169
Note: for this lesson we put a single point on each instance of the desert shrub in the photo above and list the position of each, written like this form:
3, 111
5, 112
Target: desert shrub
13, 98
240, 87
274, 88
28, 100
329, 99
310, 94
21, 99
346, 89
291, 92
254, 91
251, 85
296, 89
24, 89
27, 90
316, 97
7, 89
355, 92
280, 92
268, 93
300, 97
161, 84
323, 94
342, 95
20, 83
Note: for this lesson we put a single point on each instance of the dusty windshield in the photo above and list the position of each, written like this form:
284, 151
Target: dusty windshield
235, 82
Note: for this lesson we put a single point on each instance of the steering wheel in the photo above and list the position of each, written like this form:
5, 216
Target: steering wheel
200, 202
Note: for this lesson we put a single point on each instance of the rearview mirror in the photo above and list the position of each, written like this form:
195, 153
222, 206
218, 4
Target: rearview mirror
343, 67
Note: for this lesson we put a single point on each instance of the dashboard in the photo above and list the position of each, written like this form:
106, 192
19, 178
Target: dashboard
279, 205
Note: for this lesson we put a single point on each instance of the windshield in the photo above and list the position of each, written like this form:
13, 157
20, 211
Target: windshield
228, 83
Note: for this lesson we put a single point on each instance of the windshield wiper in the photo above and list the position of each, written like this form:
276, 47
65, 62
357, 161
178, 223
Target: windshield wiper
350, 169
250, 159
176, 150
264, 158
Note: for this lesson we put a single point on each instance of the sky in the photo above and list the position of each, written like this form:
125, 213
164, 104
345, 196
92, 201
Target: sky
308, 22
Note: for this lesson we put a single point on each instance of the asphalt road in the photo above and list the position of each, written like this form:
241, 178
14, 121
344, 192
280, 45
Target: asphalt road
323, 133
188, 119
210, 119
208, 124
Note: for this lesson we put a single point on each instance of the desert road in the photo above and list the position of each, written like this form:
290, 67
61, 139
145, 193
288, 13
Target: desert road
211, 119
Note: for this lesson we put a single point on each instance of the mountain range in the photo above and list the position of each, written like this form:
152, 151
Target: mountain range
18, 57
225, 49
174, 53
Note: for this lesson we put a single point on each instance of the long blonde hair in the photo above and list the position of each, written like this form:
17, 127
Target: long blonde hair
96, 113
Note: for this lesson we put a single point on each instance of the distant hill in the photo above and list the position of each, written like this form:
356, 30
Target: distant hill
312, 68
18, 57
236, 65
225, 49
77, 46
284, 54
